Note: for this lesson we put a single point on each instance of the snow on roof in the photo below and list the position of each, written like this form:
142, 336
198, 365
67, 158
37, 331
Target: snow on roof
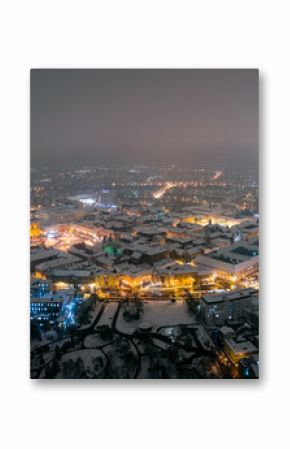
72, 273
232, 296
243, 347
37, 254
59, 262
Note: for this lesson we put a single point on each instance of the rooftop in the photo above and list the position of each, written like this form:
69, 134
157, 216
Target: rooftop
237, 253
231, 296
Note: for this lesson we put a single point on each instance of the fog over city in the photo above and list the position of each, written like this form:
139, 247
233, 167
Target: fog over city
201, 118
144, 224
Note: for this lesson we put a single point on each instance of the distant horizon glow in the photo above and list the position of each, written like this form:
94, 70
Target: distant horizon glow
198, 118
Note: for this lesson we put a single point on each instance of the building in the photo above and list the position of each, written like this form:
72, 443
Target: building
248, 229
239, 350
73, 276
63, 260
46, 309
176, 276
249, 367
39, 255
217, 310
36, 232
40, 288
105, 199
134, 275
150, 254
233, 263
151, 232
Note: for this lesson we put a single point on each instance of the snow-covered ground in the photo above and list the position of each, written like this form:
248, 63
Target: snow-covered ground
94, 341
158, 313
127, 327
145, 365
119, 365
92, 315
167, 313
87, 356
108, 314
39, 360
46, 339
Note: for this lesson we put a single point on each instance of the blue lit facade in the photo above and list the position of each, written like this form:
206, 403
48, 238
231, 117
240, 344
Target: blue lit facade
40, 288
45, 309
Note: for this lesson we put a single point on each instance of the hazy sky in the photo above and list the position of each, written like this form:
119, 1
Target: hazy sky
201, 118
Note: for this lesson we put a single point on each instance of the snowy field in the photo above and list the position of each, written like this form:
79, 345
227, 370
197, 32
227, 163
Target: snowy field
108, 314
158, 313
127, 327
92, 316
167, 313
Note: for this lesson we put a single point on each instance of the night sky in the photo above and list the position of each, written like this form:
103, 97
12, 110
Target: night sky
198, 118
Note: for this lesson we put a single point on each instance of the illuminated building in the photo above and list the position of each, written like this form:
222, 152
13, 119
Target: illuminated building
216, 310
105, 199
239, 350
86, 200
95, 233
36, 234
176, 277
35, 230
249, 367
134, 276
233, 263
45, 309
248, 229
189, 228
38, 275
107, 281
111, 247
204, 218
40, 288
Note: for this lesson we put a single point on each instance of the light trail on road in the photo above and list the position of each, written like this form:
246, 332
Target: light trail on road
160, 193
